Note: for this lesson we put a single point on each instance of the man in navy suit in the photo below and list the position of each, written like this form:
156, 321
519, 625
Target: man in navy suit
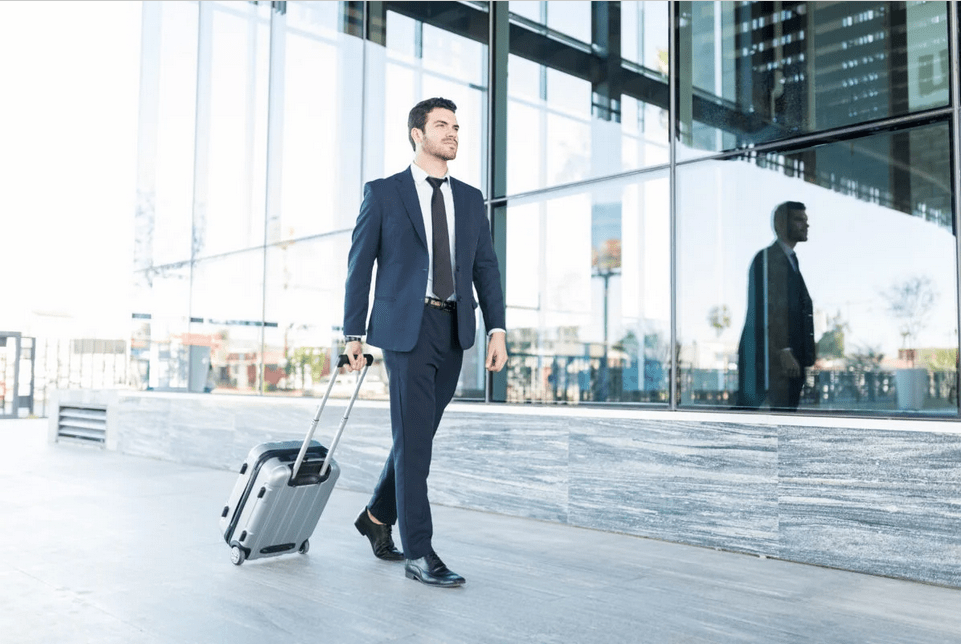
777, 343
430, 238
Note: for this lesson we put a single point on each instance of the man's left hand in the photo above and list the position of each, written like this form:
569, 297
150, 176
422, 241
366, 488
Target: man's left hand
496, 351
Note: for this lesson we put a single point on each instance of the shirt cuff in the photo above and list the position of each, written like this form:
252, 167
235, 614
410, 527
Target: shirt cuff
493, 331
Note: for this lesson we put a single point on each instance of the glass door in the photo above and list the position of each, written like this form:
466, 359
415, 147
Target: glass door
9, 374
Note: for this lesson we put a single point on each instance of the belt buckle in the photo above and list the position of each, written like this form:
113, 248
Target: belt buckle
439, 304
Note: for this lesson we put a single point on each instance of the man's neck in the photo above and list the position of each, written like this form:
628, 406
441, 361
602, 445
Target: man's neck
434, 166
790, 243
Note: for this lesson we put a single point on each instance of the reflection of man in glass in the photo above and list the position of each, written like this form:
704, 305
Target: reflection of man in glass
778, 338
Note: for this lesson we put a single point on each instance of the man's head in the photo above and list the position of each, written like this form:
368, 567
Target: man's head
791, 222
432, 125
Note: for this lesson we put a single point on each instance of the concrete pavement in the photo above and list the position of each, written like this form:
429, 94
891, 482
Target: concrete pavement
105, 548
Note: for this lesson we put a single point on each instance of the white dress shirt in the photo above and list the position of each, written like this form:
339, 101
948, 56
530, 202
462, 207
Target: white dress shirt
790, 254
425, 193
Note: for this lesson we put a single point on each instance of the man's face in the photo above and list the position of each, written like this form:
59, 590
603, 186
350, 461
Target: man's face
440, 134
797, 225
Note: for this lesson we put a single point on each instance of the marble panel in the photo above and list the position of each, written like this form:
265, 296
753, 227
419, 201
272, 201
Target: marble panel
515, 465
883, 502
365, 443
143, 426
706, 484
265, 422
201, 429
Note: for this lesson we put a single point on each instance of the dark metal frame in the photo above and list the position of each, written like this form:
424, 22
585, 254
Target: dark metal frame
954, 48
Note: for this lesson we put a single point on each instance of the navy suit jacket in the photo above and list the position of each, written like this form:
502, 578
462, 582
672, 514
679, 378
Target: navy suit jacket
390, 231
780, 315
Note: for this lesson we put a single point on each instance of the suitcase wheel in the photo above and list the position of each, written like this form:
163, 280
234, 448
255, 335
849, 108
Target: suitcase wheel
305, 546
237, 555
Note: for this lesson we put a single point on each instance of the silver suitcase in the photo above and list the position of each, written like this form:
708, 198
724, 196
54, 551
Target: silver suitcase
283, 488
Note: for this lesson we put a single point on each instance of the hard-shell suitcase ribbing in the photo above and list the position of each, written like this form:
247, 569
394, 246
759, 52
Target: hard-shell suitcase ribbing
283, 488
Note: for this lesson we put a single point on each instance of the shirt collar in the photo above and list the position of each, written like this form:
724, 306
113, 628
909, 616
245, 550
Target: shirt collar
420, 175
787, 249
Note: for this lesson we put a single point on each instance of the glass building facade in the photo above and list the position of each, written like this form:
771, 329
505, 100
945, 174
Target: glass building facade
632, 155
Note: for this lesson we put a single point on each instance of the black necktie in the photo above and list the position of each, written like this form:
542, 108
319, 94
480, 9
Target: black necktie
443, 278
797, 265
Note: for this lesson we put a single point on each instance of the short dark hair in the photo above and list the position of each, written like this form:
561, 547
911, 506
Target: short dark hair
779, 218
418, 115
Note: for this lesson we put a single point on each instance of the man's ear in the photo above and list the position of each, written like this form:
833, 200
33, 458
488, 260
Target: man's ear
417, 135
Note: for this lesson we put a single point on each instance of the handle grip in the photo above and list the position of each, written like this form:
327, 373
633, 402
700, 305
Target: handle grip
345, 360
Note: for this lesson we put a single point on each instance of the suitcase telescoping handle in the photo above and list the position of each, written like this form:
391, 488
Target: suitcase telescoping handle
344, 360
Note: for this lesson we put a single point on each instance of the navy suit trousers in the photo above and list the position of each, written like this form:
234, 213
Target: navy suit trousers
422, 383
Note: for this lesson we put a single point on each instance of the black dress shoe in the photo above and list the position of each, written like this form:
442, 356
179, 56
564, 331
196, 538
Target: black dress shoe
380, 539
432, 571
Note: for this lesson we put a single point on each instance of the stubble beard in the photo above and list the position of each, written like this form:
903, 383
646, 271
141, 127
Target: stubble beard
441, 150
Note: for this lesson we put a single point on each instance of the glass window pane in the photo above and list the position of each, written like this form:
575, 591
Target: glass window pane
529, 9
588, 294
169, 75
158, 328
304, 304
577, 112
570, 18
565, 19
427, 54
643, 35
753, 72
227, 319
232, 128
315, 137
877, 263
164, 217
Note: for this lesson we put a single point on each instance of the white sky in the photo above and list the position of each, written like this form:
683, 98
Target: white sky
68, 131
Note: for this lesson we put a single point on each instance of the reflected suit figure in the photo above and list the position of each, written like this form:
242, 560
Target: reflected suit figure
777, 342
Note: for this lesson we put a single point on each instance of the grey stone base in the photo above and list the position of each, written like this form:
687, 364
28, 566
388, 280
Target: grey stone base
872, 496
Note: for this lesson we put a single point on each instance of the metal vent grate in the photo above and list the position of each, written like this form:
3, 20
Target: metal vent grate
83, 423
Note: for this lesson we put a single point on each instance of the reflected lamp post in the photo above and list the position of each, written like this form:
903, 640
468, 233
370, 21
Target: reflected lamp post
605, 265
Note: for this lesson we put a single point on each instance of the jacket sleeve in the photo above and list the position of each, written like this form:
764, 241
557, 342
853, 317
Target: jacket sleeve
487, 277
779, 311
364, 249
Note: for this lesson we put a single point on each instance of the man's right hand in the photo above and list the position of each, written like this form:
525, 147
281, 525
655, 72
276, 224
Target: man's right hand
789, 364
355, 353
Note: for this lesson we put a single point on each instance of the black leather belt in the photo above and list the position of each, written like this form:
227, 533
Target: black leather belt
443, 305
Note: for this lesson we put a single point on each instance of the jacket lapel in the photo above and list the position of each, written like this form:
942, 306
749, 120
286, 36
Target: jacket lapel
408, 196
